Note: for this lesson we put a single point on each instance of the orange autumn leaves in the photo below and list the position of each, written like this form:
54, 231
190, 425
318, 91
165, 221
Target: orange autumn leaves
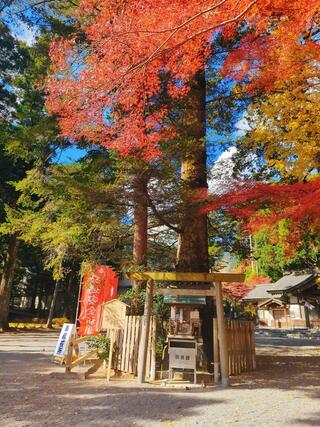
106, 85
108, 80
263, 205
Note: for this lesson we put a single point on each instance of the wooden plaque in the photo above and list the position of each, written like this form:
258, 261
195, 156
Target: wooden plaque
113, 315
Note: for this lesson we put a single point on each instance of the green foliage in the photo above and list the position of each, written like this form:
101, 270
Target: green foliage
12, 62
135, 299
226, 237
239, 310
101, 343
274, 254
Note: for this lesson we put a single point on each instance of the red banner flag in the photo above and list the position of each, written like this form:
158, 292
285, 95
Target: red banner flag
99, 285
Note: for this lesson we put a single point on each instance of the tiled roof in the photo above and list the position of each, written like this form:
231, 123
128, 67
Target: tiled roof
259, 293
291, 281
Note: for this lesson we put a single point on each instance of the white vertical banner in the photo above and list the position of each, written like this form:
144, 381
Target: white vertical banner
63, 341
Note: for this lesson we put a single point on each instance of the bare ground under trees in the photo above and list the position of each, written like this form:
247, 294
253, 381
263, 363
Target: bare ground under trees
284, 391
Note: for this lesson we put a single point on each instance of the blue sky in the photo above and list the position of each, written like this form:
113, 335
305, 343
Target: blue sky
69, 155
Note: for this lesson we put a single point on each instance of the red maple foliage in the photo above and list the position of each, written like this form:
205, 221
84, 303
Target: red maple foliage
264, 204
105, 82
237, 290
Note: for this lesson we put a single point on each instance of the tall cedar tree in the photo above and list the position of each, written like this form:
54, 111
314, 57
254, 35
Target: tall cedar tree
12, 61
116, 59
127, 46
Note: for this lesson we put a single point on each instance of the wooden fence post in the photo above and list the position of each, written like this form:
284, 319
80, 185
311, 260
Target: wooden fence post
223, 345
69, 356
143, 347
112, 339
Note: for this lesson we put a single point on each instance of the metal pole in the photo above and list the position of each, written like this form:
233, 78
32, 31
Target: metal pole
78, 304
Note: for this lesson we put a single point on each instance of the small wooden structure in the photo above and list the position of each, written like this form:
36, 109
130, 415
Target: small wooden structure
214, 290
74, 358
291, 302
113, 318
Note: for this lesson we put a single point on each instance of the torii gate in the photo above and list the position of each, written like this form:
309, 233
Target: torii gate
214, 290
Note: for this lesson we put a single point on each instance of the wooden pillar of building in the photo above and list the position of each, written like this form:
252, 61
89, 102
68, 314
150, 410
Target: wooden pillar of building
222, 336
307, 317
145, 332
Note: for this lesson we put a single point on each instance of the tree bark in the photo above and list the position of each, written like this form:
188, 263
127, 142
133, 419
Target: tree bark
6, 281
192, 253
52, 305
140, 212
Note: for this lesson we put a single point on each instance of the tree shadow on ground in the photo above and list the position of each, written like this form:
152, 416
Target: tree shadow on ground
312, 421
50, 399
283, 373
287, 373
44, 396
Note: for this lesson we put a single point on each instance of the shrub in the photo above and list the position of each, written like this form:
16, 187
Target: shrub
101, 343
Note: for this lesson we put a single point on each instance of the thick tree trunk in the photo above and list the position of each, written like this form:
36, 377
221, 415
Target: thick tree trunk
192, 254
140, 203
6, 281
52, 305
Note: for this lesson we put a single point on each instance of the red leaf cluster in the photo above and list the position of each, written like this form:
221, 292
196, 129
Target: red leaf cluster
263, 204
106, 88
236, 291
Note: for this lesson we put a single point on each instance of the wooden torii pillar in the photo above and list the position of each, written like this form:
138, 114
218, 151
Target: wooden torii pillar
222, 336
215, 291
145, 332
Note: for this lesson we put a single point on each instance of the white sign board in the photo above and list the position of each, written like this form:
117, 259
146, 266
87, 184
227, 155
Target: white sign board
63, 340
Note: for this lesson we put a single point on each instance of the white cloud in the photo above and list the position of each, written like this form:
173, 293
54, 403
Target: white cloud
227, 154
24, 33
220, 174
242, 126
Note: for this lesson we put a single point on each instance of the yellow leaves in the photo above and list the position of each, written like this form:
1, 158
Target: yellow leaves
287, 126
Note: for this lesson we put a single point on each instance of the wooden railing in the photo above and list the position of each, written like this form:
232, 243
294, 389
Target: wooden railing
240, 341
74, 358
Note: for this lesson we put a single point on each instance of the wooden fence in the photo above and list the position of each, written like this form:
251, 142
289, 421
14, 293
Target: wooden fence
127, 347
241, 346
240, 341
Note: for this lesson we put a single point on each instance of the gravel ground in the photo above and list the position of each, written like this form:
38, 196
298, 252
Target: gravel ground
284, 391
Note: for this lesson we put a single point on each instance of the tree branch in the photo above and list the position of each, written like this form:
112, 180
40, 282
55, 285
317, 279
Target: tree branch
158, 52
160, 217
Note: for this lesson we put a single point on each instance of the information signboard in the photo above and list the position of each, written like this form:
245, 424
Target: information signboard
63, 341
113, 315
